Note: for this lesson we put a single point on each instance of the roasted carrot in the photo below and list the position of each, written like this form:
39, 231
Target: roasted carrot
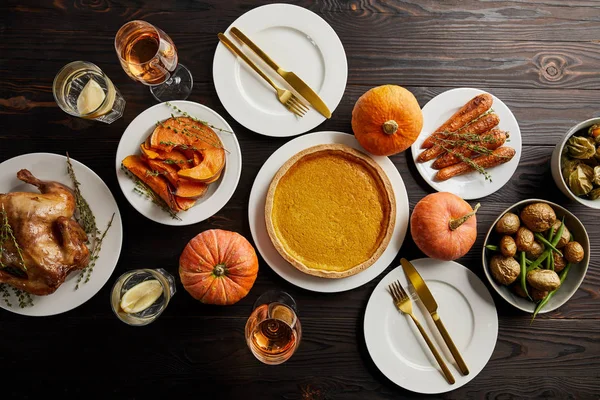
467, 113
490, 140
499, 156
478, 127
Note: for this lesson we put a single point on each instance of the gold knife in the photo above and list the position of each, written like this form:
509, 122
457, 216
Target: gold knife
292, 79
429, 302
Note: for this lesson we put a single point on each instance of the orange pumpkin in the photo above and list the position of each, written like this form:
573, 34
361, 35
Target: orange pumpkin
444, 226
218, 267
386, 120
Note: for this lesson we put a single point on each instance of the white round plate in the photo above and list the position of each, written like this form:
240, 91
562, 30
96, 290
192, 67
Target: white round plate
472, 185
299, 41
256, 215
464, 305
218, 193
46, 166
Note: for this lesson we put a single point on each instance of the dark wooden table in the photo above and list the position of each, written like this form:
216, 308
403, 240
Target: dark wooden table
542, 58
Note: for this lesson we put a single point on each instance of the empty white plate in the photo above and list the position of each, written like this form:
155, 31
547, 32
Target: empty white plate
464, 305
299, 41
471, 185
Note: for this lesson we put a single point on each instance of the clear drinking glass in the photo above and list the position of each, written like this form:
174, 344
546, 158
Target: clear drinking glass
138, 297
81, 89
148, 55
273, 330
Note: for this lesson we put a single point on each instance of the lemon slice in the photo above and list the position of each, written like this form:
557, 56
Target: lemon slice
90, 98
282, 313
141, 296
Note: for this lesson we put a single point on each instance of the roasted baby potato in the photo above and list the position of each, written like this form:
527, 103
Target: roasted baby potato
524, 239
543, 279
508, 224
538, 217
505, 270
508, 247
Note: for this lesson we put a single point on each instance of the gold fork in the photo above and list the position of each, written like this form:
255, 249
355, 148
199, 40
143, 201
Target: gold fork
403, 303
287, 98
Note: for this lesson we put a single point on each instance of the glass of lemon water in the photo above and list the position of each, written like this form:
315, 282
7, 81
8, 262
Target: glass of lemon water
81, 89
138, 297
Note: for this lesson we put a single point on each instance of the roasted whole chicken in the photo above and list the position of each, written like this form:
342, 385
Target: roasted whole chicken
52, 243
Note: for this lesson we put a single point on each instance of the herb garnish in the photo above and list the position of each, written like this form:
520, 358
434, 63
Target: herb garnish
85, 217
6, 234
143, 190
185, 114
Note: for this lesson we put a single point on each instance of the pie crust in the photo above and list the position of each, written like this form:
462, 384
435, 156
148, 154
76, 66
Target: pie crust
330, 211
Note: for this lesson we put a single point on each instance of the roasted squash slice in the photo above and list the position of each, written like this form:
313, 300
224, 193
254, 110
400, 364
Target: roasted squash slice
174, 157
184, 133
183, 203
183, 187
211, 166
158, 184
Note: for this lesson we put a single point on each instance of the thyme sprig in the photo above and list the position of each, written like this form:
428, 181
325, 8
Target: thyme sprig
468, 161
87, 271
6, 234
179, 145
143, 190
185, 114
83, 215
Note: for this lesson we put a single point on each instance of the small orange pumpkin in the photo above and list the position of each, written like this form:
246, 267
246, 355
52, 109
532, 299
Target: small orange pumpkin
218, 267
386, 120
444, 226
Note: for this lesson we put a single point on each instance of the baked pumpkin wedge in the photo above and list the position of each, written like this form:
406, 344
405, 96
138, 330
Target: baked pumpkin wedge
174, 157
184, 133
158, 184
183, 187
209, 168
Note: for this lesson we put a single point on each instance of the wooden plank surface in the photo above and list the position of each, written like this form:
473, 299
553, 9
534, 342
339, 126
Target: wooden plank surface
542, 58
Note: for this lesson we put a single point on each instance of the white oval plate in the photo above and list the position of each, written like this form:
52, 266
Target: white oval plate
256, 215
299, 41
46, 166
466, 309
218, 193
472, 185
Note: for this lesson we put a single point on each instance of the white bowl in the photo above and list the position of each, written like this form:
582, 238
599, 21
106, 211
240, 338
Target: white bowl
576, 273
557, 170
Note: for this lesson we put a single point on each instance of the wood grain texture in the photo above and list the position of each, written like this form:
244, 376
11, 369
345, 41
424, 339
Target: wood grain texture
542, 58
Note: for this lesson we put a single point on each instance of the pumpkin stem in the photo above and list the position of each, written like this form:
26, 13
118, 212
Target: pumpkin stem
456, 222
219, 270
390, 127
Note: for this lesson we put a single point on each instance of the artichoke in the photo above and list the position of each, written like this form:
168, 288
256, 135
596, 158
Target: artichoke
594, 133
594, 194
596, 179
580, 180
597, 155
581, 147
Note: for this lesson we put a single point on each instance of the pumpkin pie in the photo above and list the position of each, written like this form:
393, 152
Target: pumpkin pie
330, 211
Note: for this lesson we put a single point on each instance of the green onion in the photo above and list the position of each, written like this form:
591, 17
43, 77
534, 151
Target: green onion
491, 247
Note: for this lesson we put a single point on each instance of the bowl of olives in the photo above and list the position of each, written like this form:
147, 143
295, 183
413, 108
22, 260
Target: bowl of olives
575, 163
536, 255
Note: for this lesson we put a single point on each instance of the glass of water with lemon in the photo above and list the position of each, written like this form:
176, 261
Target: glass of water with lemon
138, 297
81, 89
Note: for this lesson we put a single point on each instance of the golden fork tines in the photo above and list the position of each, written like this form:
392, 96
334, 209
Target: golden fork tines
285, 97
403, 303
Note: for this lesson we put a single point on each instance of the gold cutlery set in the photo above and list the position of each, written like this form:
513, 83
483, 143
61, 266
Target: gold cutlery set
404, 304
285, 97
